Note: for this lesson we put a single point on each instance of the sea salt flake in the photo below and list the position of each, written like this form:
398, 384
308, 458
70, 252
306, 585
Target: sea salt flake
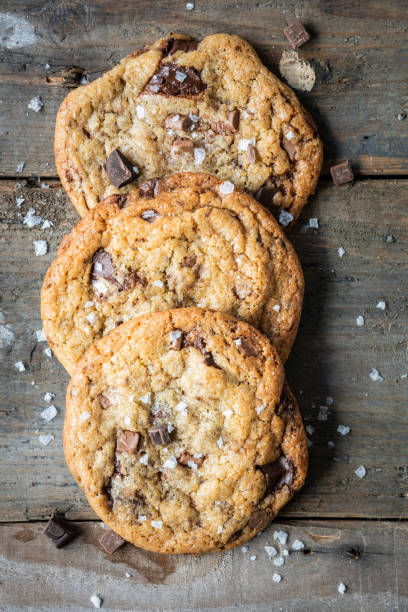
220, 529
361, 471
285, 552
142, 518
309, 442
323, 413
84, 416
35, 104
279, 561
170, 427
226, 187
271, 551
127, 420
48, 351
360, 321
146, 398
158, 283
47, 224
194, 118
258, 409
20, 167
298, 545
244, 549
220, 442
228, 413
44, 185
244, 142
144, 459
285, 218
140, 111
45, 439
40, 336
375, 375
91, 318
276, 577
331, 444
100, 286
314, 223
253, 558
342, 588
31, 219
341, 251
19, 202
381, 305
290, 135
88, 304
48, 397
192, 465
329, 401
276, 308
156, 524
96, 601
199, 155
170, 463
40, 247
49, 413
310, 429
20, 366
190, 6
343, 429
180, 76
280, 536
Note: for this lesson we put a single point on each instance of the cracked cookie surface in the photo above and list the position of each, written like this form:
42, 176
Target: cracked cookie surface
177, 106
181, 432
190, 245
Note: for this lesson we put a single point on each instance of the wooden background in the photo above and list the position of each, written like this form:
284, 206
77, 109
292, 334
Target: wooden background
359, 51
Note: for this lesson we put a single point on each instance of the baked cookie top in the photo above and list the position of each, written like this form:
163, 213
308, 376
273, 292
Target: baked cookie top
193, 244
180, 434
208, 106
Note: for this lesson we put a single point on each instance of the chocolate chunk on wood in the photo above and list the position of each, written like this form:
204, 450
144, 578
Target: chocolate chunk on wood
149, 215
187, 459
247, 346
189, 261
176, 339
342, 173
174, 44
128, 442
175, 80
178, 122
265, 195
259, 519
290, 148
59, 531
111, 541
297, 34
103, 267
104, 401
183, 145
251, 153
159, 435
119, 169
149, 188
278, 474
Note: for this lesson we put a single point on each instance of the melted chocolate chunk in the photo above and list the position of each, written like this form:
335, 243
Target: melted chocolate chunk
128, 442
290, 148
189, 261
265, 194
175, 80
247, 346
285, 407
178, 122
186, 458
176, 339
119, 169
121, 199
251, 153
104, 401
229, 126
102, 267
59, 531
183, 145
193, 339
149, 188
175, 44
159, 435
111, 541
278, 474
259, 519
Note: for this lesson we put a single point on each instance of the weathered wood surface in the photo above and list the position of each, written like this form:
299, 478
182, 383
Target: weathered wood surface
359, 51
34, 575
331, 357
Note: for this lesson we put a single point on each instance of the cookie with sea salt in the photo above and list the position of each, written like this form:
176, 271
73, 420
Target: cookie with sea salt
180, 105
198, 242
181, 432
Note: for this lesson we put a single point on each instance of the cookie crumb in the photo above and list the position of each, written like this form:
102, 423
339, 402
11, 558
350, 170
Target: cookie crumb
40, 247
361, 471
20, 366
342, 588
375, 375
96, 601
35, 104
360, 321
298, 73
343, 429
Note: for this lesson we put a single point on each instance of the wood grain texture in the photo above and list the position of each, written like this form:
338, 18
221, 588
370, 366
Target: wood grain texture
331, 357
34, 575
358, 50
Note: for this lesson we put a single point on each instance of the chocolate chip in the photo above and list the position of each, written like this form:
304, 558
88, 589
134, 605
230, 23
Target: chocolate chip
121, 199
149, 215
290, 148
209, 361
176, 339
102, 267
183, 145
175, 44
278, 474
119, 169
104, 401
186, 458
342, 173
59, 531
149, 188
189, 261
175, 80
128, 442
247, 346
233, 118
297, 34
178, 122
111, 541
265, 195
259, 519
159, 435
285, 407
251, 153
353, 552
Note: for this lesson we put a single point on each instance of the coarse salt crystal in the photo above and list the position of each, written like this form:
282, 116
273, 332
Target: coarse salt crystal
96, 601
227, 413
329, 401
192, 465
49, 413
381, 305
170, 463
156, 524
84, 416
285, 552
194, 118
47, 224
226, 187
199, 155
258, 409
35, 104
310, 429
361, 471
342, 588
91, 318
142, 518
271, 551
220, 442
31, 219
298, 545
158, 283
20, 366
323, 413
100, 286
180, 76
146, 398
280, 536
276, 308
190, 6
290, 135
40, 336
244, 142
140, 111
40, 247
285, 218
276, 577
253, 558
314, 223
19, 202
127, 420
48, 351
144, 459
244, 549
360, 321
170, 427
343, 429
45, 439
88, 304
341, 251
279, 561
375, 375
20, 167
48, 397
220, 529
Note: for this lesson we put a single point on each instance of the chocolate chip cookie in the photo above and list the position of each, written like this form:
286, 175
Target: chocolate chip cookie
179, 105
198, 242
181, 432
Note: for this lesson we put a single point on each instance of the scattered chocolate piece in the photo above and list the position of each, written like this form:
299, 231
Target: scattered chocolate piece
119, 169
186, 458
59, 531
189, 261
178, 122
175, 44
290, 148
353, 552
149, 215
246, 346
183, 145
251, 153
342, 173
278, 474
259, 519
175, 80
149, 188
128, 442
159, 435
111, 541
176, 339
296, 34
104, 401
102, 267
265, 194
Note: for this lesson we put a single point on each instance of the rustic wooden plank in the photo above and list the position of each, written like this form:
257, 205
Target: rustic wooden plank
34, 574
331, 357
358, 51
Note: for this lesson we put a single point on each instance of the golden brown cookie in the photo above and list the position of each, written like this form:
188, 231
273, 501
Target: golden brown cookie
191, 245
177, 106
180, 432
